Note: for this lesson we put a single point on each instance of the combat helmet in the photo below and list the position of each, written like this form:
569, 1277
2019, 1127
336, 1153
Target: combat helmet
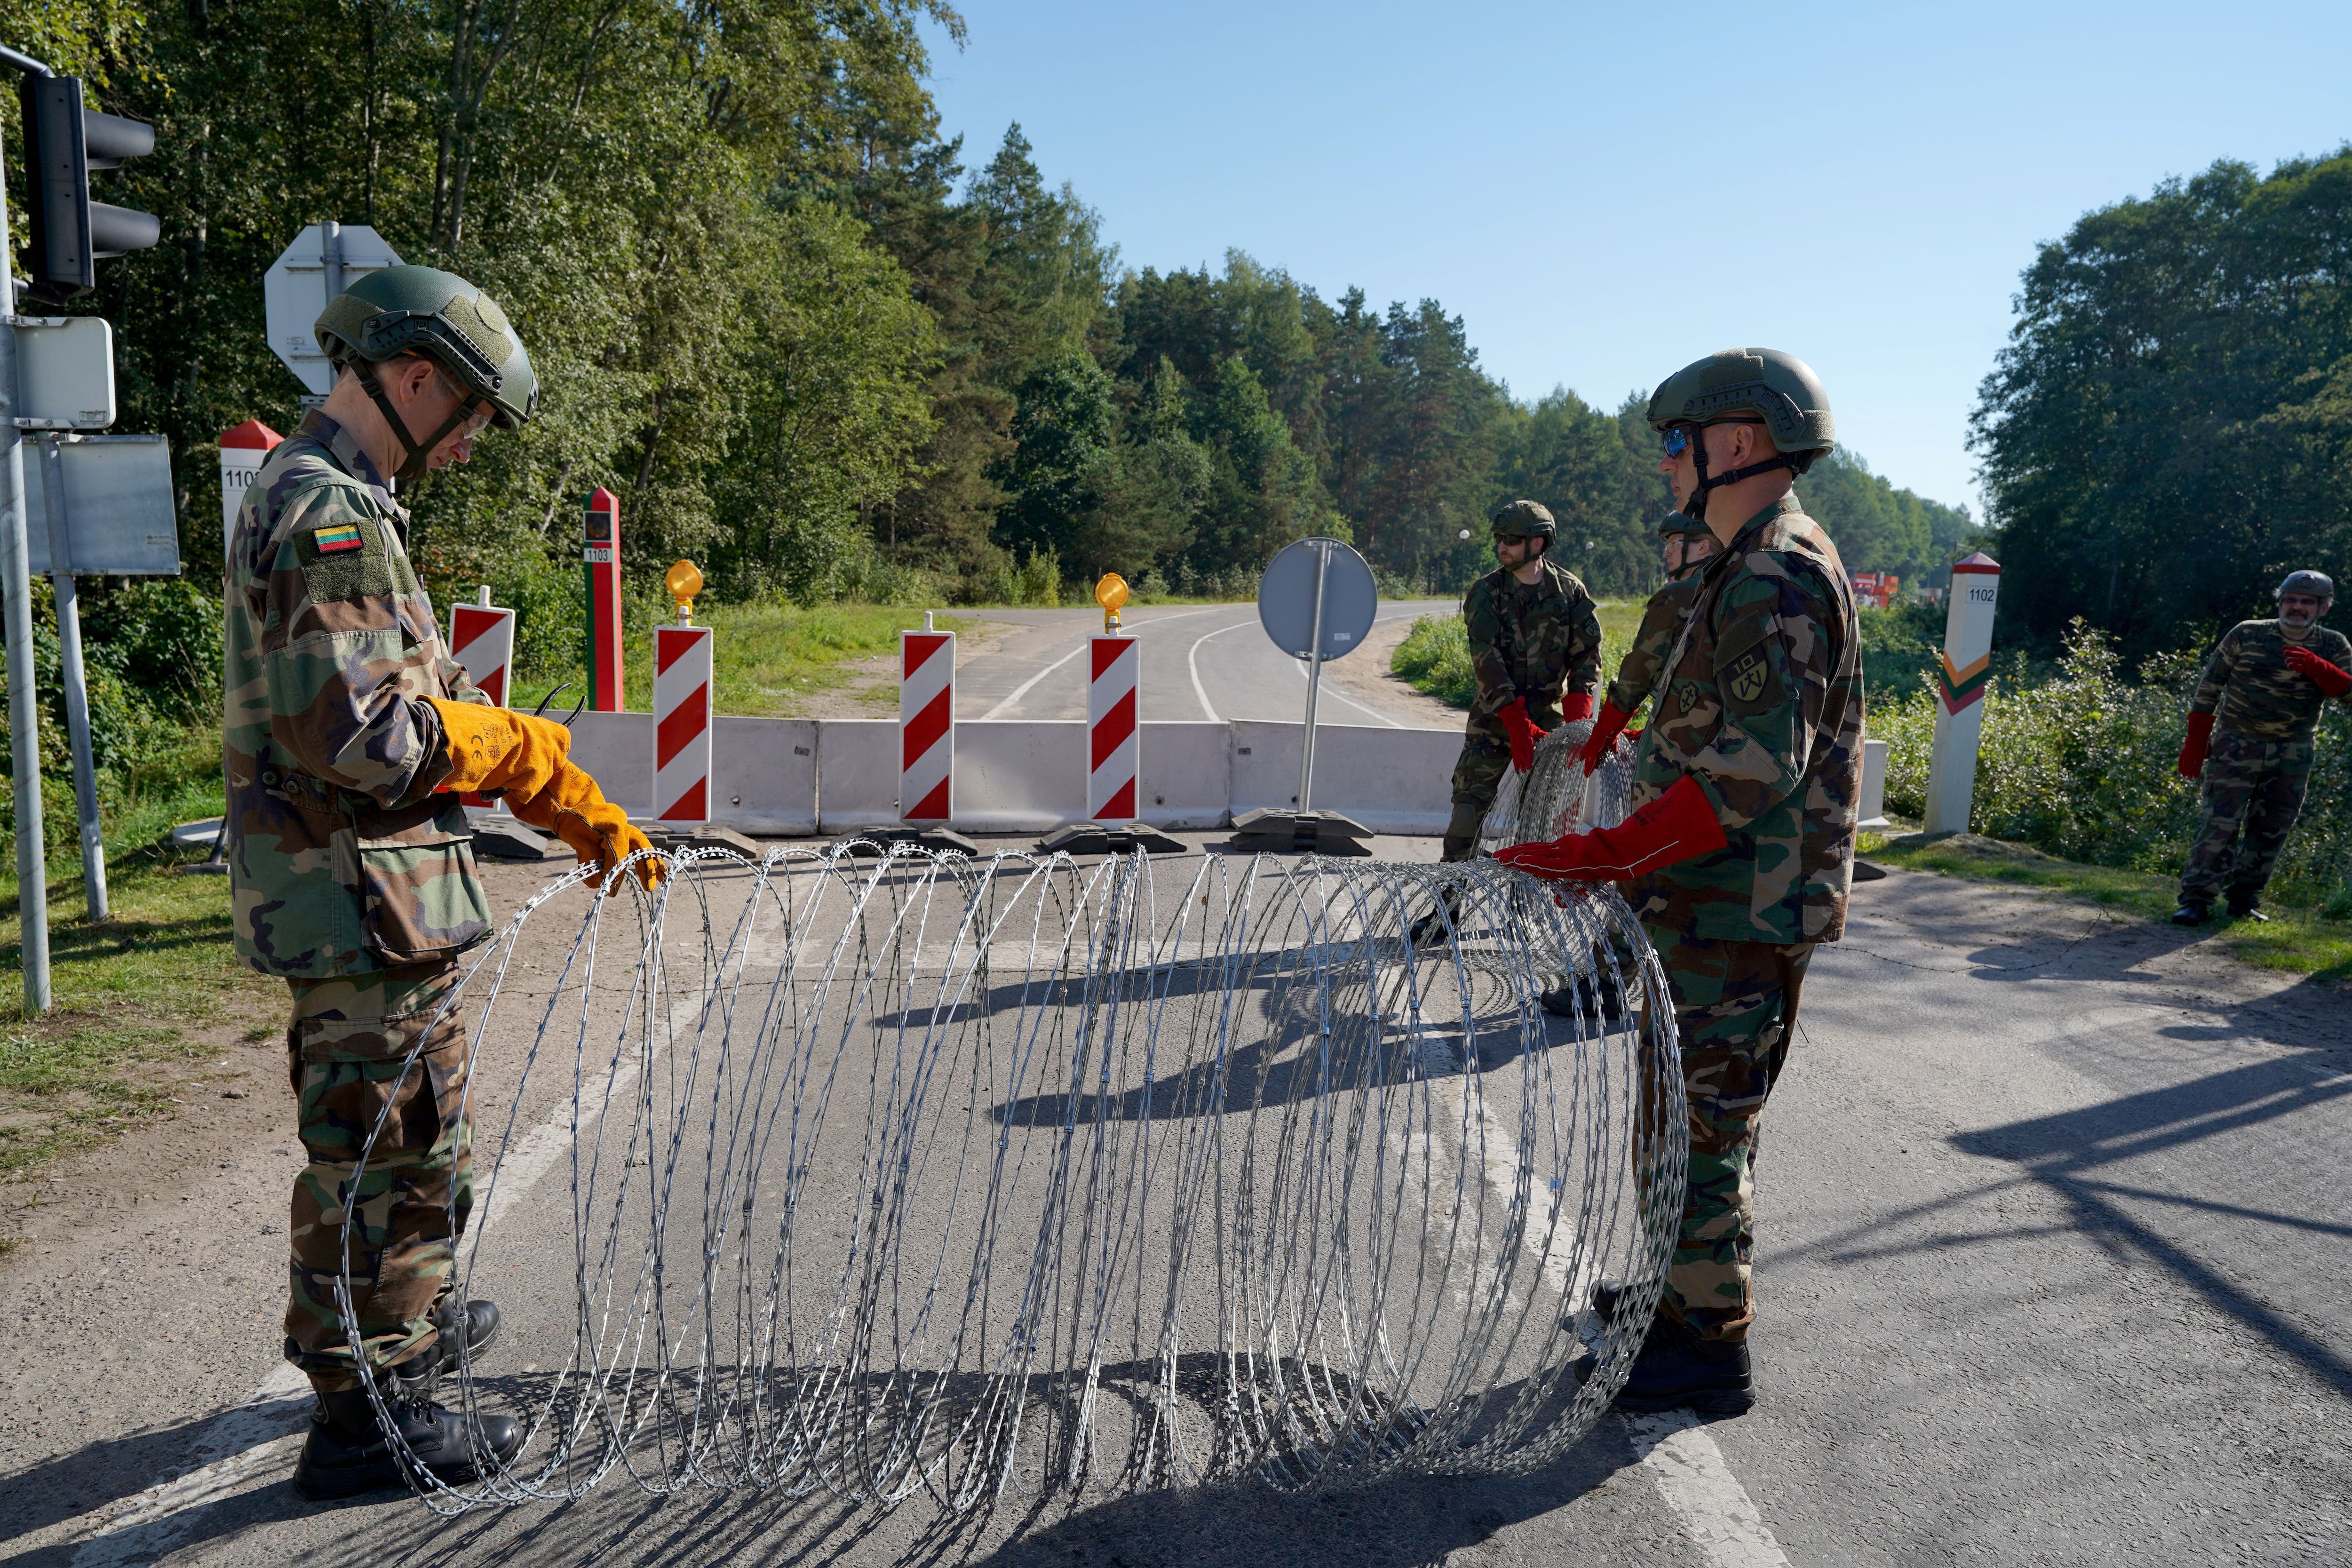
1777, 390
1681, 523
2318, 584
1521, 519
420, 309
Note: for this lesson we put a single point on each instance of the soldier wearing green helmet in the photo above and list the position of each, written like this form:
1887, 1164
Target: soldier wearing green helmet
1739, 854
2250, 745
1685, 543
348, 731
1535, 643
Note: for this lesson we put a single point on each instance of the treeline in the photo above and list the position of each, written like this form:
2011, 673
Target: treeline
775, 311
2169, 431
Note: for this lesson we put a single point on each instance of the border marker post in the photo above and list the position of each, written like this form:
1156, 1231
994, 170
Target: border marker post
600, 556
1963, 671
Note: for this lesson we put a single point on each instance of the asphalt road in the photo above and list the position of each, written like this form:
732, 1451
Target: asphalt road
1212, 663
2054, 1271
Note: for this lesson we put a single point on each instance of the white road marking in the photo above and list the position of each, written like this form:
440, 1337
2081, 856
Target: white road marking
1335, 691
1192, 662
1690, 1474
1022, 690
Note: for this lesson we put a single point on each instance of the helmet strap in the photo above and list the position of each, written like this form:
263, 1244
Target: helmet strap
416, 454
1697, 506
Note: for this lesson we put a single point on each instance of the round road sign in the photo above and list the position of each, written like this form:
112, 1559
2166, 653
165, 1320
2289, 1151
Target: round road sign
1286, 597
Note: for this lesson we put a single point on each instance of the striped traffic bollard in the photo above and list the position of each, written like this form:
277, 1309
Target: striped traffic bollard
1112, 747
926, 725
482, 639
682, 708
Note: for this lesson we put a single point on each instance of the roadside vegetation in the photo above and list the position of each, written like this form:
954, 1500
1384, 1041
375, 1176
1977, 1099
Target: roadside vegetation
1435, 656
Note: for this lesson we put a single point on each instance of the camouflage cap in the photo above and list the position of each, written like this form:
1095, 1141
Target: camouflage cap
1521, 519
1677, 524
2318, 584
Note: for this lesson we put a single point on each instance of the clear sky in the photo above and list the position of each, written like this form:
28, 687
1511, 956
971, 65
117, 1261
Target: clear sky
1604, 194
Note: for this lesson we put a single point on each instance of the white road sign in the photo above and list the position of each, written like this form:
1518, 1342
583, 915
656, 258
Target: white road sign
318, 265
65, 373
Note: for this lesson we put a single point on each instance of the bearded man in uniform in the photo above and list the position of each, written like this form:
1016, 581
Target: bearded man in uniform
347, 732
1686, 544
1740, 855
2250, 739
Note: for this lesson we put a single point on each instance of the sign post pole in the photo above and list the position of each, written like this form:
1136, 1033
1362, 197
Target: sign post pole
23, 710
1965, 669
1317, 601
68, 607
1314, 679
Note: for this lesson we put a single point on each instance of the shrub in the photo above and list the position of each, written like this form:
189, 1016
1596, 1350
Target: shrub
1435, 657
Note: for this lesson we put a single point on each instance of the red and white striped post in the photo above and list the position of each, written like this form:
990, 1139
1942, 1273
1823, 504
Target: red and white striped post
1113, 697
926, 725
600, 556
682, 669
482, 639
242, 452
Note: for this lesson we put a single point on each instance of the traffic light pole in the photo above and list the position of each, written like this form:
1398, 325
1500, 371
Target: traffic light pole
23, 710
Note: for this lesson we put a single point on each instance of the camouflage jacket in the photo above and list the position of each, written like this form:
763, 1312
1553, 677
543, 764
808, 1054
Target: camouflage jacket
1761, 703
1531, 640
1637, 673
2261, 696
342, 858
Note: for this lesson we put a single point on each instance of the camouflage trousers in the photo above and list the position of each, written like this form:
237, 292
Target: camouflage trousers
347, 1056
2254, 792
1733, 1003
1477, 776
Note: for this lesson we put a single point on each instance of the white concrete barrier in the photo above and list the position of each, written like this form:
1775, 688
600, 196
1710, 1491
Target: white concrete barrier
1872, 802
1391, 781
791, 777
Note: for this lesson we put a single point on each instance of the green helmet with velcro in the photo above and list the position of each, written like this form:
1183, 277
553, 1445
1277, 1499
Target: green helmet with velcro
1678, 524
1748, 386
423, 311
1521, 519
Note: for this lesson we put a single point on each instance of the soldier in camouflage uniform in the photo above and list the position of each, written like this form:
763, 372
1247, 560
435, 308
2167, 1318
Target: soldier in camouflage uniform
1740, 855
347, 727
1687, 544
2267, 680
1534, 642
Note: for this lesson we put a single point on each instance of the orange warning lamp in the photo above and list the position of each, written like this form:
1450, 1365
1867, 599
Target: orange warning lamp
1110, 594
684, 582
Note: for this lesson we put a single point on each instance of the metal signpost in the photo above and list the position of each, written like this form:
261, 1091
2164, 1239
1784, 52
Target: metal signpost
322, 262
1316, 602
24, 713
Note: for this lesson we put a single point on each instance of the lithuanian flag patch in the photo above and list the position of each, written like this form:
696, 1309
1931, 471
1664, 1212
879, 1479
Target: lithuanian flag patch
343, 536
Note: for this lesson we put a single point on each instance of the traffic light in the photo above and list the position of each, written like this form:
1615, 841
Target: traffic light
63, 142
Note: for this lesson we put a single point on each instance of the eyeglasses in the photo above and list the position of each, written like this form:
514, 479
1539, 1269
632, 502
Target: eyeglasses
1676, 438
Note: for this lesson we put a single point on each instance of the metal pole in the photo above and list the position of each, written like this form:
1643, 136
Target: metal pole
331, 256
1314, 681
23, 710
62, 583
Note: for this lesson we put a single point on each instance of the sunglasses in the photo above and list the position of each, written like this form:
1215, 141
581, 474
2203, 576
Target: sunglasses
1676, 438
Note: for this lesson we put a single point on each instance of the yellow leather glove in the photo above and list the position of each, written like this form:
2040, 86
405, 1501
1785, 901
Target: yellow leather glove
574, 809
498, 749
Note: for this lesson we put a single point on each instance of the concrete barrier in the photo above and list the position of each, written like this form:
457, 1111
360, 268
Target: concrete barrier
792, 778
1391, 781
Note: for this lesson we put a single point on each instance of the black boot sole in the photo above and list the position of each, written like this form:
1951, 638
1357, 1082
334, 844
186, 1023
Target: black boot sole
1706, 1401
331, 1486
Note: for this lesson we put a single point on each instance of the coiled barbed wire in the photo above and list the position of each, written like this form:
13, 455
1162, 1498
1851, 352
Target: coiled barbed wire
922, 1175
1555, 795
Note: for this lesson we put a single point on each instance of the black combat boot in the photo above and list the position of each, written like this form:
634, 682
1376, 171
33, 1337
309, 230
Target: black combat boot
1588, 996
347, 1452
479, 1320
2191, 913
2246, 907
1679, 1370
1430, 928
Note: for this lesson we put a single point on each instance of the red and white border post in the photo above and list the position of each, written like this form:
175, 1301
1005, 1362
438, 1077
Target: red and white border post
926, 725
1113, 697
482, 639
682, 670
600, 557
242, 452
1961, 677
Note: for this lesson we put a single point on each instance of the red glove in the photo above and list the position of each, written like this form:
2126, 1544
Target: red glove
2200, 742
1604, 738
1677, 826
1576, 705
2335, 682
1522, 731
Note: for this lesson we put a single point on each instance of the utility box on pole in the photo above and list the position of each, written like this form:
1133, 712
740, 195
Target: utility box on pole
601, 556
1965, 669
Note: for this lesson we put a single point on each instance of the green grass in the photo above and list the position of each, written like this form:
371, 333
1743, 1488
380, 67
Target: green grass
769, 657
2297, 940
1435, 656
